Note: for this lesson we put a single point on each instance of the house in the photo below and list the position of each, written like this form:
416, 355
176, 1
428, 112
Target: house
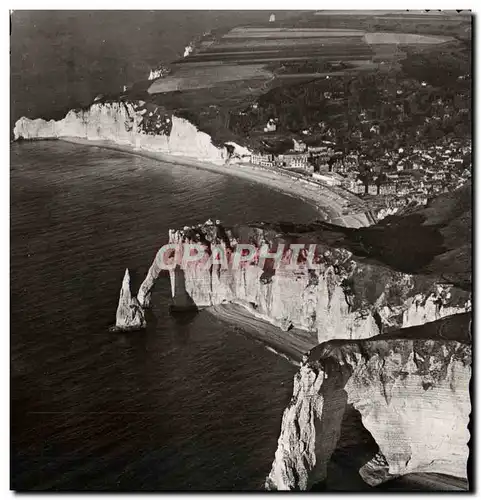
299, 146
403, 188
387, 188
271, 126
356, 187
439, 176
317, 149
159, 72
294, 160
372, 189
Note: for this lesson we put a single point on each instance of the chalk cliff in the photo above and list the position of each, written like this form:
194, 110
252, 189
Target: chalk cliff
346, 296
130, 316
134, 124
411, 388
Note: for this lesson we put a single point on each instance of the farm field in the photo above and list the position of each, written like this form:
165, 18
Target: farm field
245, 43
199, 77
290, 33
404, 38
227, 72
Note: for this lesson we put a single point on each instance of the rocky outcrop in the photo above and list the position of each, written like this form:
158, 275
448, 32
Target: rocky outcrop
411, 389
343, 297
129, 123
130, 315
352, 283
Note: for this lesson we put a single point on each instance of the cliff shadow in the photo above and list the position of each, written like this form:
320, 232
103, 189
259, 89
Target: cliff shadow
183, 308
354, 448
343, 445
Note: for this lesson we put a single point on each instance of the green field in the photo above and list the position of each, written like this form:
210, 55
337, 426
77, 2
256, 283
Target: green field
229, 71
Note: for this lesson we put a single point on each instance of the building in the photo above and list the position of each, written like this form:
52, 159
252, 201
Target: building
329, 179
299, 146
294, 160
317, 149
298, 163
270, 126
323, 168
263, 160
403, 188
372, 189
159, 72
439, 176
387, 188
306, 167
356, 187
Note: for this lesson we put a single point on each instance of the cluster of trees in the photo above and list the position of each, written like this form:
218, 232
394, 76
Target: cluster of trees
440, 66
295, 107
404, 107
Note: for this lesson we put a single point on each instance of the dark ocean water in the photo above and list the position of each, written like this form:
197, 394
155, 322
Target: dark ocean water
63, 59
188, 404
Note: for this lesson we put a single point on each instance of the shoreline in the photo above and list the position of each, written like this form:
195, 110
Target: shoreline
331, 206
291, 345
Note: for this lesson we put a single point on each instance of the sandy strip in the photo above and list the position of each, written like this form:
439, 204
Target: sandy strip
292, 344
334, 204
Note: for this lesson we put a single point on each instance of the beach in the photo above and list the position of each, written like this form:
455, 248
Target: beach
334, 204
292, 344
330, 204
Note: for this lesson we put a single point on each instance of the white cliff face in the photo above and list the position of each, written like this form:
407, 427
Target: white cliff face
102, 121
412, 395
329, 301
309, 415
122, 123
422, 309
130, 315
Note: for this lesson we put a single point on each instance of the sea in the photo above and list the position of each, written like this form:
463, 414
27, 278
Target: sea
189, 404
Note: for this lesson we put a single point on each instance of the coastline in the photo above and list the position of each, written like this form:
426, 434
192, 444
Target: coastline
291, 345
331, 206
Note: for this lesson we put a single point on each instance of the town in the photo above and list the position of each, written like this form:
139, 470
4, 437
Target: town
393, 141
409, 175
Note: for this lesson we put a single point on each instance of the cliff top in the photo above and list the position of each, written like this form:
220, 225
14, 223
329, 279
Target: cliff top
432, 345
433, 243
